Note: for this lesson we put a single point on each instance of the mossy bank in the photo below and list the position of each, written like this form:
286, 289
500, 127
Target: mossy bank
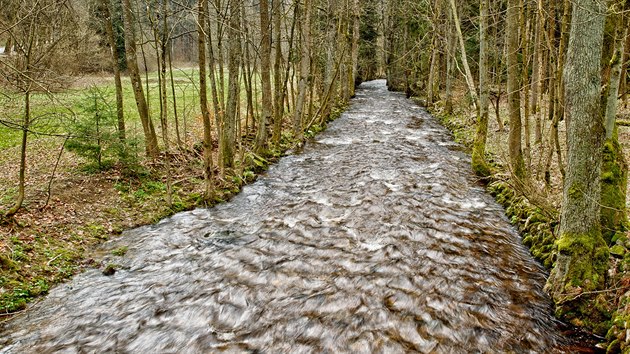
606, 312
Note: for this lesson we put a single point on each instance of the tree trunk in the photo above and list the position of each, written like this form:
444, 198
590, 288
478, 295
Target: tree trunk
285, 84
217, 96
202, 11
432, 71
434, 66
163, 41
25, 129
582, 258
537, 73
227, 131
354, 52
265, 66
564, 40
150, 137
479, 165
218, 58
247, 72
517, 164
175, 115
462, 48
109, 28
278, 107
614, 169
613, 84
450, 63
305, 64
330, 45
525, 45
624, 78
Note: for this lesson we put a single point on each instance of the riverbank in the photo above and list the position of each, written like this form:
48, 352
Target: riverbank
72, 207
535, 213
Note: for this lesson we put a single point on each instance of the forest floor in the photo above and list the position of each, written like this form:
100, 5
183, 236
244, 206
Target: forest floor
47, 243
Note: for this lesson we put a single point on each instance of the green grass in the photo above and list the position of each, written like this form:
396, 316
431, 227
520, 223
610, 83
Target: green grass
46, 256
53, 114
9, 137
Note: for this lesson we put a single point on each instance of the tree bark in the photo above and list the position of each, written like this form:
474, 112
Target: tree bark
247, 71
265, 67
202, 12
450, 63
614, 169
431, 92
228, 130
525, 45
22, 174
613, 85
354, 52
582, 258
305, 64
479, 164
163, 41
537, 73
150, 137
462, 48
109, 28
517, 164
278, 106
172, 79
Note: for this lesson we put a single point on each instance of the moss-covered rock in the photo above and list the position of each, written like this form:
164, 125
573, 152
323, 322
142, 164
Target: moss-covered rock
579, 272
537, 228
618, 251
617, 337
613, 196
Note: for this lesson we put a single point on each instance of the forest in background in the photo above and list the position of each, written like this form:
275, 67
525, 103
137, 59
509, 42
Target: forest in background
117, 112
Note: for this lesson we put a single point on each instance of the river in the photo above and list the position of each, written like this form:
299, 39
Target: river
375, 238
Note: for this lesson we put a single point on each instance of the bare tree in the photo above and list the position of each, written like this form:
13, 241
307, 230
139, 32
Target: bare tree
479, 147
202, 13
265, 63
227, 130
517, 162
115, 57
151, 143
43, 36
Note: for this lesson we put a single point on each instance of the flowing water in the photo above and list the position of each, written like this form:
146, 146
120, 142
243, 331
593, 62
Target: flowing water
375, 238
